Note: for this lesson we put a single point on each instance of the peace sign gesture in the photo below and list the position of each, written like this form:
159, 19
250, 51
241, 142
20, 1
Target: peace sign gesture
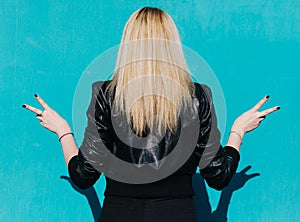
49, 119
251, 119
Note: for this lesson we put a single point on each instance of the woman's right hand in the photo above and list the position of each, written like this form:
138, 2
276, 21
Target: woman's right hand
252, 118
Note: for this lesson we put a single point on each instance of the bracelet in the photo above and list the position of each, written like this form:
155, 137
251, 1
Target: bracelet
232, 131
65, 135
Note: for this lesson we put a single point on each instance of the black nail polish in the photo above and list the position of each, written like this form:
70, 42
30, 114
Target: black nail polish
35, 95
278, 107
267, 96
24, 106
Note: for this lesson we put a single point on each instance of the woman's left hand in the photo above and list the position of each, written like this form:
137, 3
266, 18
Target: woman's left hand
49, 119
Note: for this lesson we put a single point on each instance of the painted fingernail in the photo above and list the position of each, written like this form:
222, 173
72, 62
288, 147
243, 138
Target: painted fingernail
278, 107
24, 106
35, 95
267, 96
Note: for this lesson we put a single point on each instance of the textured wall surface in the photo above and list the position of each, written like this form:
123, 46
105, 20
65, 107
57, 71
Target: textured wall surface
253, 48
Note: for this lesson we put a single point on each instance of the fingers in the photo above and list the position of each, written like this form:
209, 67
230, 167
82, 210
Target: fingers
253, 175
268, 111
42, 102
261, 118
260, 103
35, 110
32, 109
245, 169
44, 124
263, 114
41, 119
65, 177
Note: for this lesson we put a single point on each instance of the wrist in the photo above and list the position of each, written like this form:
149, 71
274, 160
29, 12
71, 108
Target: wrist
63, 130
238, 130
237, 134
64, 135
235, 139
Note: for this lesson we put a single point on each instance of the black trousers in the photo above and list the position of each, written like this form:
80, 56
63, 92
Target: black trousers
125, 209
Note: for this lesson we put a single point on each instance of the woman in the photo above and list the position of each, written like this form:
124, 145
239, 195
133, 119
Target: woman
140, 116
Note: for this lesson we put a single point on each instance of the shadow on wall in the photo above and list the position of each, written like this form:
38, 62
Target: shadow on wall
201, 199
90, 195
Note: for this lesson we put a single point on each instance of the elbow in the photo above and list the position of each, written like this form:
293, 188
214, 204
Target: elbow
218, 179
78, 176
217, 184
220, 171
80, 184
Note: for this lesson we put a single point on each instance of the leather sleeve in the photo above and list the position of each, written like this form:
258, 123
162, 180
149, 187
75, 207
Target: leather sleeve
217, 164
85, 168
82, 174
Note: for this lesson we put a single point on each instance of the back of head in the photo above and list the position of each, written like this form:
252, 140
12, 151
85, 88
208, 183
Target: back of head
151, 78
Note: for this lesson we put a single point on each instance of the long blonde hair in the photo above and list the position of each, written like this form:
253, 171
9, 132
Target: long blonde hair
151, 77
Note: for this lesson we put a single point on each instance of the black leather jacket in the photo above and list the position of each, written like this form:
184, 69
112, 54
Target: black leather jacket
217, 169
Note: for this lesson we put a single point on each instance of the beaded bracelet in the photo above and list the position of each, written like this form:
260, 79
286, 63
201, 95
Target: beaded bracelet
65, 135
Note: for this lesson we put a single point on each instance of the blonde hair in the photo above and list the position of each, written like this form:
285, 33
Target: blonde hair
151, 78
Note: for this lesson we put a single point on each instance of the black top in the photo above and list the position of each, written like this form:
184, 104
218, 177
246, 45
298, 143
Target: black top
217, 172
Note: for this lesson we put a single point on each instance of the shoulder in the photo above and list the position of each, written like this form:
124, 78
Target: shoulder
102, 96
203, 92
99, 89
100, 85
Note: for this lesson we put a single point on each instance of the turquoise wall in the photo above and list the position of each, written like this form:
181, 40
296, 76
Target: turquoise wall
253, 47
